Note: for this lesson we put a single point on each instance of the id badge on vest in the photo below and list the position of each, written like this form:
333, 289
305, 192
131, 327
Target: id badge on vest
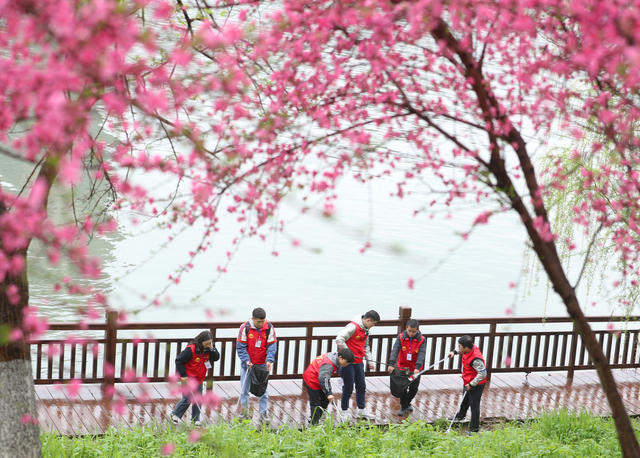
258, 343
207, 364
409, 356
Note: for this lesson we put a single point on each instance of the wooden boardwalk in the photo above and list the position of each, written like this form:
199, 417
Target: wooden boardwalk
510, 396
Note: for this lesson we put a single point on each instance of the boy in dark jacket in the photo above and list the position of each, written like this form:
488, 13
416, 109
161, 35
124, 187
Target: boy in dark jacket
317, 380
192, 364
407, 357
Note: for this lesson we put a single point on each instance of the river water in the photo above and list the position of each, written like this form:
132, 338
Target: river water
324, 275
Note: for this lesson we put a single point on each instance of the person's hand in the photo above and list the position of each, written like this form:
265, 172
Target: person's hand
415, 371
331, 397
390, 369
467, 387
269, 365
452, 354
249, 364
371, 366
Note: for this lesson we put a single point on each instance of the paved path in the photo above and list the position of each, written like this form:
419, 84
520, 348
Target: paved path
510, 396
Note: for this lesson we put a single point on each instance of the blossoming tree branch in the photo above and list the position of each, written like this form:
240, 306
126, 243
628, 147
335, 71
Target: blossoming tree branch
240, 103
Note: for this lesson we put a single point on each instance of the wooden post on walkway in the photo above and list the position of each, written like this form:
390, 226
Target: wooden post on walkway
572, 354
307, 346
489, 355
109, 364
404, 315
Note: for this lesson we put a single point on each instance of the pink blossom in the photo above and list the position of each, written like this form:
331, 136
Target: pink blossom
194, 436
26, 419
73, 388
410, 283
482, 218
168, 449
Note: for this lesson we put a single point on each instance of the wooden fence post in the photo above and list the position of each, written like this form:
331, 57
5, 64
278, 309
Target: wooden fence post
109, 364
404, 315
307, 347
489, 357
572, 354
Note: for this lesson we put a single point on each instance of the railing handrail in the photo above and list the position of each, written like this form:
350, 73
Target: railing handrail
67, 326
104, 359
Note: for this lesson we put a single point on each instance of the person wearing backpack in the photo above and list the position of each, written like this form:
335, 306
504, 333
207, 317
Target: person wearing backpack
256, 347
355, 337
407, 358
317, 380
192, 364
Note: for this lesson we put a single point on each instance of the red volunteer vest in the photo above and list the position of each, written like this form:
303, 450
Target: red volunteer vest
468, 372
411, 347
257, 354
311, 373
195, 367
356, 343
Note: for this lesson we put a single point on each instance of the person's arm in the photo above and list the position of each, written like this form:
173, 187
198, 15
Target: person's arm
324, 377
344, 335
393, 357
478, 365
272, 346
241, 346
214, 355
367, 352
422, 354
183, 358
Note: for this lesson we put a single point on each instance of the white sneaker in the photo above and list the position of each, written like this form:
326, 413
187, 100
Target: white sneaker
365, 414
175, 419
197, 423
343, 416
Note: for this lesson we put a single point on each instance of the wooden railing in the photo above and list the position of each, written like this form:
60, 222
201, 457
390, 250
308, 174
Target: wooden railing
120, 354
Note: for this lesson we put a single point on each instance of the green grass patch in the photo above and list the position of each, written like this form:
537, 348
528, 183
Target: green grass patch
559, 434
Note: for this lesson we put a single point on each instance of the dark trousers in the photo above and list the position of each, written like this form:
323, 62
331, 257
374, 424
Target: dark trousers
472, 399
350, 374
318, 403
183, 405
412, 390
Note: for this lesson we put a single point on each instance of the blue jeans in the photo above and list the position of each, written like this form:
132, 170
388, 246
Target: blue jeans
350, 374
183, 405
245, 384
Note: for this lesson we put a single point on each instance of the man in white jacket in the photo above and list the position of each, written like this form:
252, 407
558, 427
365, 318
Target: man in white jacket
355, 337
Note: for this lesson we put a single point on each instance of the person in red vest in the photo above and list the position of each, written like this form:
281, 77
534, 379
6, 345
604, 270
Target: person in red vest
192, 364
355, 337
407, 357
256, 346
317, 380
474, 377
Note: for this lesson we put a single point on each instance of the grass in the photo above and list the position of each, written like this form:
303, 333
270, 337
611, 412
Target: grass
559, 434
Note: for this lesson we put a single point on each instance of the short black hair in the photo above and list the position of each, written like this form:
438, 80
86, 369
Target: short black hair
411, 323
346, 354
259, 313
466, 341
372, 314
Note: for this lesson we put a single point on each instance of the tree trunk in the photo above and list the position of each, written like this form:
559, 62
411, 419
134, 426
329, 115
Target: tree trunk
19, 431
550, 260
626, 434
